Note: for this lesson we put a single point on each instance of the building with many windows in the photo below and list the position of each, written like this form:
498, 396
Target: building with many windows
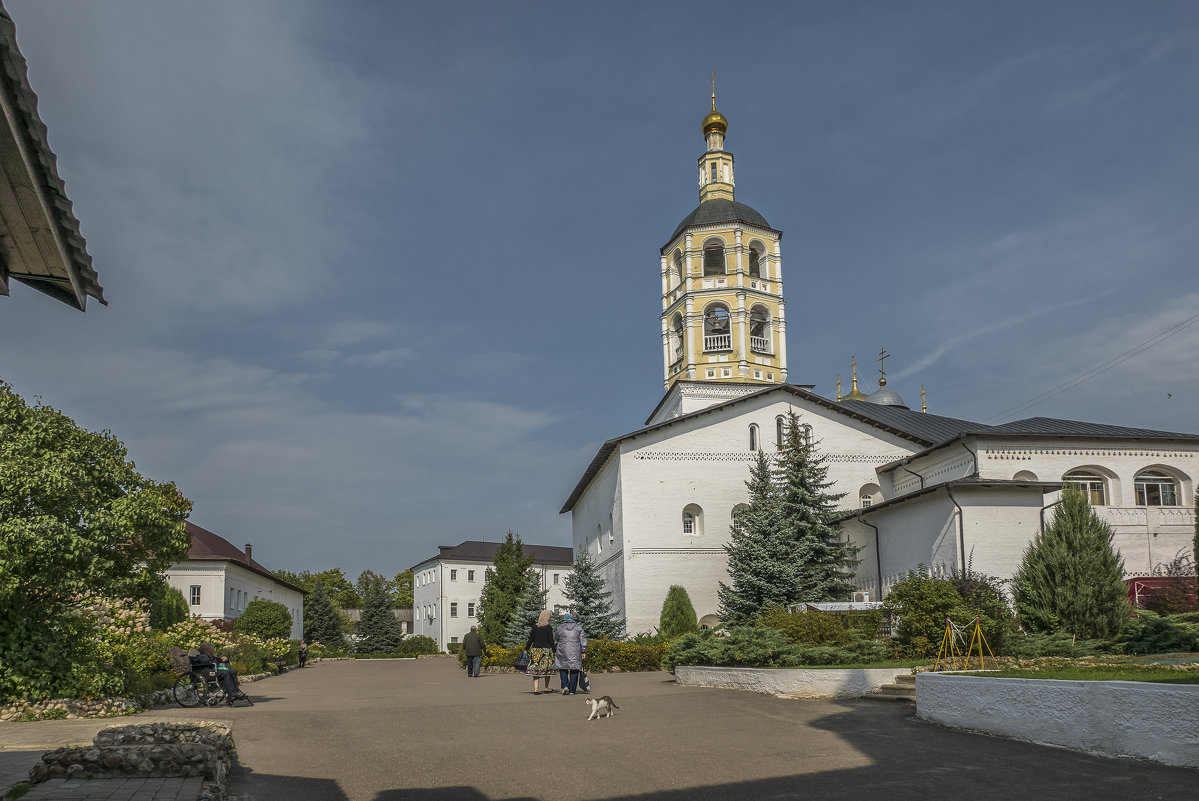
447, 587
218, 580
654, 507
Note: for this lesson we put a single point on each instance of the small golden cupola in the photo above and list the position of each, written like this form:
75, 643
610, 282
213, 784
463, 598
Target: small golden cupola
854, 392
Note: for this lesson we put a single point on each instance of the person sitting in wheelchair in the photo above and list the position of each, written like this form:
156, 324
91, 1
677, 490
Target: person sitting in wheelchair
225, 674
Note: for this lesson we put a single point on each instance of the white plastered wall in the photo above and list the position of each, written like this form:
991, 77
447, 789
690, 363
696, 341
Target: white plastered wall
226, 587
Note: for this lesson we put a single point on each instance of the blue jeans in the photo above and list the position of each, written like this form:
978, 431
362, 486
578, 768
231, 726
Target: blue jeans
472, 665
570, 680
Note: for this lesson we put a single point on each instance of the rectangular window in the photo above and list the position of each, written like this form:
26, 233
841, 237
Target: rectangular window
195, 593
453, 609
453, 639
470, 610
453, 575
555, 578
470, 575
713, 171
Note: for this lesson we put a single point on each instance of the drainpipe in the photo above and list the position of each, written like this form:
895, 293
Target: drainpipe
1046, 508
878, 555
973, 455
913, 472
961, 525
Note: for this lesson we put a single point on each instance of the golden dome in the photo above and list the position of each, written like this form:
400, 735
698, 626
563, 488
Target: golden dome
715, 122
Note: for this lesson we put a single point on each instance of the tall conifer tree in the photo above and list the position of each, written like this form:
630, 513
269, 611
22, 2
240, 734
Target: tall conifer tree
678, 613
321, 621
528, 607
806, 511
589, 602
502, 587
381, 631
1070, 578
763, 563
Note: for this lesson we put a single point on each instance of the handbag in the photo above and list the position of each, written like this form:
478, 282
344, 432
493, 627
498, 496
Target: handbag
521, 663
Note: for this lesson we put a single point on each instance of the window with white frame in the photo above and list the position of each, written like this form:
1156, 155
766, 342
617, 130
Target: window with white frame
453, 609
1155, 488
453, 575
470, 609
470, 575
195, 594
693, 520
754, 439
780, 431
1092, 485
555, 578
453, 639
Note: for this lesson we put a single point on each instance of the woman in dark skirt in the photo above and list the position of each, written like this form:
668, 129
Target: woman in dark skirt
540, 647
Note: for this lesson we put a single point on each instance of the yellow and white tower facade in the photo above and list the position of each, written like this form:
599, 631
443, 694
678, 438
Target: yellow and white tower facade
722, 283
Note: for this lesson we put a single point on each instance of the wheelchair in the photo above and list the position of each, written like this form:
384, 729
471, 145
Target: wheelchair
198, 685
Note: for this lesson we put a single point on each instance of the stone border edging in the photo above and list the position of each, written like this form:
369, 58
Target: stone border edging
789, 682
1148, 720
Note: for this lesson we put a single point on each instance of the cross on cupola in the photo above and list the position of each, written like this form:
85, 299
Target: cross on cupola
716, 165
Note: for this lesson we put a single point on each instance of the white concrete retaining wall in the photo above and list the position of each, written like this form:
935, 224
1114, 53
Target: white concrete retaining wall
1110, 718
789, 683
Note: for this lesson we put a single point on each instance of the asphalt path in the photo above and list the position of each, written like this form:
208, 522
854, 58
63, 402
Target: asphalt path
422, 731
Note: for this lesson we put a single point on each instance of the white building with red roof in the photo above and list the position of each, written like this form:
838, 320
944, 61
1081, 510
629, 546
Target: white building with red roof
218, 580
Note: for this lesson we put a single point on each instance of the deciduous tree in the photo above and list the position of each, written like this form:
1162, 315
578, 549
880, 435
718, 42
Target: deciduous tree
265, 619
75, 518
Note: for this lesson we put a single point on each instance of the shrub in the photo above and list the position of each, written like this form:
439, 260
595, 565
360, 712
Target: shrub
603, 655
453, 647
1057, 643
678, 614
167, 606
811, 627
265, 619
1151, 633
755, 646
920, 603
417, 645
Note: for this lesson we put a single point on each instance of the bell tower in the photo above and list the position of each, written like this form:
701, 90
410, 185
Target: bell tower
722, 283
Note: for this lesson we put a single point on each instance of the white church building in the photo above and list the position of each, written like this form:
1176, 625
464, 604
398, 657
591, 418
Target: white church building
654, 507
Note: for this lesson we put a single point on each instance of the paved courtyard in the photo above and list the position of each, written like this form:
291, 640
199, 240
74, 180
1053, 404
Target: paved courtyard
420, 731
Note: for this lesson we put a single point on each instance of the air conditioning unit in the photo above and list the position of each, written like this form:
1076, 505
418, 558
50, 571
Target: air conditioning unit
861, 597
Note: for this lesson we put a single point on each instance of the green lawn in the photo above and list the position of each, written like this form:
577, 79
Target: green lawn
1100, 673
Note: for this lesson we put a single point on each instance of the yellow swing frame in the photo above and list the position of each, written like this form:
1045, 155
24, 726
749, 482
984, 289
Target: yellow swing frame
950, 654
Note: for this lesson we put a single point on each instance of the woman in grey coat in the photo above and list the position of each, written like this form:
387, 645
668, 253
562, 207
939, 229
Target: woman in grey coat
572, 650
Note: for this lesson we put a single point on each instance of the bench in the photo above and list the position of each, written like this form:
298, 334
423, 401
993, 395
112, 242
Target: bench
278, 662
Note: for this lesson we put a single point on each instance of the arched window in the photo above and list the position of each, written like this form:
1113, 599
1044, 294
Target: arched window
738, 517
676, 269
693, 520
714, 258
676, 337
869, 495
780, 431
755, 260
1155, 488
1090, 483
1025, 475
759, 329
755, 443
717, 333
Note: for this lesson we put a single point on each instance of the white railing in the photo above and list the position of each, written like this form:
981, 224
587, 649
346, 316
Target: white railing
1150, 518
759, 344
718, 342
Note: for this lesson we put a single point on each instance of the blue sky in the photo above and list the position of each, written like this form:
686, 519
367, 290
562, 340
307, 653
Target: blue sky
383, 275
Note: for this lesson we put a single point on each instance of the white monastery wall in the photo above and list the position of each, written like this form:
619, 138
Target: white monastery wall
226, 588
1112, 718
998, 525
600, 504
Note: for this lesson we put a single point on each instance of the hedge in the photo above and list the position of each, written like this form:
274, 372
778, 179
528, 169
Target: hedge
603, 656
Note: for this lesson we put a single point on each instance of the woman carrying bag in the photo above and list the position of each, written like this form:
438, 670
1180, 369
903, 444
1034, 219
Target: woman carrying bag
540, 648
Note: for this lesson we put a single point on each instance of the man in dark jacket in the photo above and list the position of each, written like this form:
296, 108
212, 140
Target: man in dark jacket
472, 646
225, 674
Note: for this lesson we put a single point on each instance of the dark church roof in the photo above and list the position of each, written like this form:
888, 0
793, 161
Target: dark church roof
718, 211
209, 547
1051, 426
476, 551
931, 427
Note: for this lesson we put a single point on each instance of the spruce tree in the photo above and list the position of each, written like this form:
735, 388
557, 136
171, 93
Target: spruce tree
763, 566
379, 629
678, 614
806, 512
1070, 578
502, 587
321, 621
589, 602
528, 607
